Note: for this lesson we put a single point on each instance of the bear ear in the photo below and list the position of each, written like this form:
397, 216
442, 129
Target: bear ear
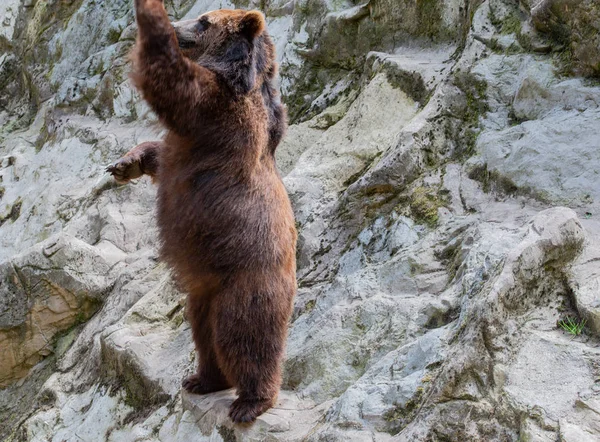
252, 24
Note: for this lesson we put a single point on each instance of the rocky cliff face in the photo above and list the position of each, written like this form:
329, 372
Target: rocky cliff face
444, 166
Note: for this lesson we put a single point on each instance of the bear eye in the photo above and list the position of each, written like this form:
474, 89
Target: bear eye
202, 25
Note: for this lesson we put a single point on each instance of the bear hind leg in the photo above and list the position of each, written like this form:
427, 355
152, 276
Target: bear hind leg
250, 333
209, 377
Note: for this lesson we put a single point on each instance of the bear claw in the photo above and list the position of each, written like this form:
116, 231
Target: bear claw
196, 385
125, 169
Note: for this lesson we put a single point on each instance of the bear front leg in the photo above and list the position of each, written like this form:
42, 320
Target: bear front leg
152, 19
142, 159
178, 90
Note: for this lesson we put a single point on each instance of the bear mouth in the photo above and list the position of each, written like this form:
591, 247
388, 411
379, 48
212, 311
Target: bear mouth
183, 44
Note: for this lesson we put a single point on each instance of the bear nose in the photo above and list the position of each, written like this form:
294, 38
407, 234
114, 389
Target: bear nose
185, 33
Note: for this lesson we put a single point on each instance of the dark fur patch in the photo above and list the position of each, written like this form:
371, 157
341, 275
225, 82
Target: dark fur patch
240, 66
252, 24
277, 116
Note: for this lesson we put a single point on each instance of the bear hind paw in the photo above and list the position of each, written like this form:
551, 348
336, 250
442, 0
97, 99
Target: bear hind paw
244, 411
196, 384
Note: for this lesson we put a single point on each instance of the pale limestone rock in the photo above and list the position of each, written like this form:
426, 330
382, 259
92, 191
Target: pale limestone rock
545, 143
8, 11
404, 328
291, 419
584, 425
44, 292
149, 345
537, 379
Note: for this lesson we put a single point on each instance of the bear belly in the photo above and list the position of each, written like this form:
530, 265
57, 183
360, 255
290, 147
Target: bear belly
217, 227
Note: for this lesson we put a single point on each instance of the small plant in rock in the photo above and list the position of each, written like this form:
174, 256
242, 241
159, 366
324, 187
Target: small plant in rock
572, 326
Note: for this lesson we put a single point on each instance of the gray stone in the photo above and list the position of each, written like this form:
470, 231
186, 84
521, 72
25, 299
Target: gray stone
538, 377
291, 419
545, 143
431, 147
43, 293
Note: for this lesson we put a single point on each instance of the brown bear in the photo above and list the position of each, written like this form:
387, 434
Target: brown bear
226, 224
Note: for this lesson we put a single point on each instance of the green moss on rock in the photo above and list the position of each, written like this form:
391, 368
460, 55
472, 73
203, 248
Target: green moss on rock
476, 106
399, 416
424, 205
494, 182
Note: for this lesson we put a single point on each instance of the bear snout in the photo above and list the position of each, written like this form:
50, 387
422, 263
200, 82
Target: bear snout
186, 33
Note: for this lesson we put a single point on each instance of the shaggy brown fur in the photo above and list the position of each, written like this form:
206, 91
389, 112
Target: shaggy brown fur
226, 224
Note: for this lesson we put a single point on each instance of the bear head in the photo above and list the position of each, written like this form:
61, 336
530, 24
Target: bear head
231, 42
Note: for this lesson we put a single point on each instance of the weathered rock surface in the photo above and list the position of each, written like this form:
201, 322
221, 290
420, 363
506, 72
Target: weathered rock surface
44, 292
444, 175
574, 25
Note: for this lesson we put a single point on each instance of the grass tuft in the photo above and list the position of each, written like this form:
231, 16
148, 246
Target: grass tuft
572, 326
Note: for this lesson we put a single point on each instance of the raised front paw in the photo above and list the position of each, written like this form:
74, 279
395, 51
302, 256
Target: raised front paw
147, 2
144, 4
127, 168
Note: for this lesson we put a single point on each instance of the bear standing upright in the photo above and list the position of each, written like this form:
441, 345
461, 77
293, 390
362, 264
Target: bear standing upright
226, 224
